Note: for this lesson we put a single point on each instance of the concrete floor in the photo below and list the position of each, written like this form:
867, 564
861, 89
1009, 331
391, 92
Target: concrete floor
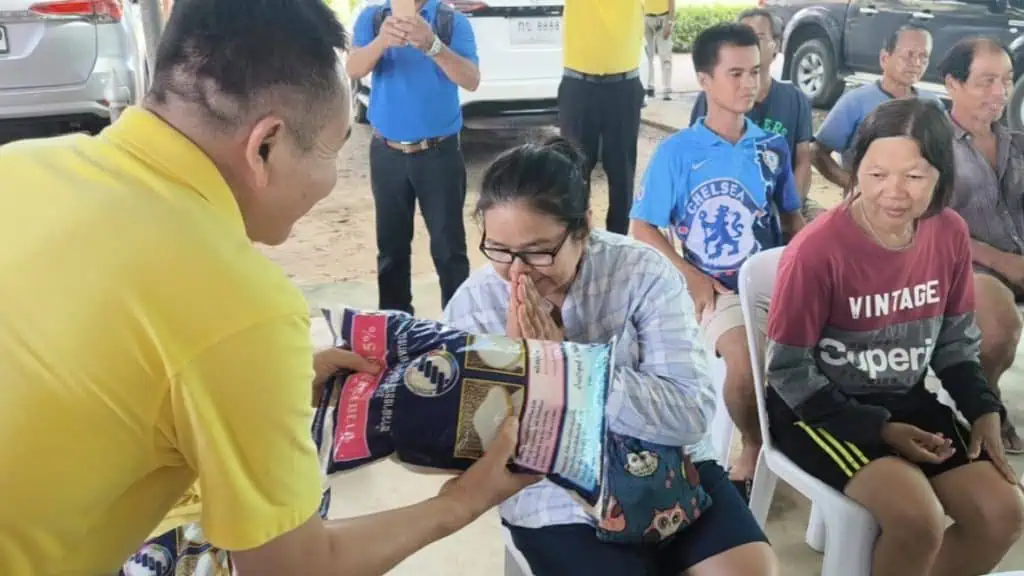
478, 550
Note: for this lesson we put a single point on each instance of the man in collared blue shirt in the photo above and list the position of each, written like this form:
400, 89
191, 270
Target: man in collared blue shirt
418, 65
903, 60
725, 189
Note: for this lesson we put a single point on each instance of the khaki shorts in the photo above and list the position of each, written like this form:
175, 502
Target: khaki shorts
728, 314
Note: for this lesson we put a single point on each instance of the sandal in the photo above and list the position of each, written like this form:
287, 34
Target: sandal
1012, 442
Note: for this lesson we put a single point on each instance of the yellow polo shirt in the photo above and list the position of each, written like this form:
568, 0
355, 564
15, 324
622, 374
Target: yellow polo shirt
603, 36
656, 7
144, 344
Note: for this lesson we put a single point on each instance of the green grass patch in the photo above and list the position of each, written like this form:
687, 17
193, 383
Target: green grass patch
692, 19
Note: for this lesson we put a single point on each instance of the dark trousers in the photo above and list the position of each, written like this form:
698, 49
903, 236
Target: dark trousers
435, 177
603, 119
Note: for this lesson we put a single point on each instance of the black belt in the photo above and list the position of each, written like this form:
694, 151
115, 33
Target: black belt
601, 78
411, 147
656, 15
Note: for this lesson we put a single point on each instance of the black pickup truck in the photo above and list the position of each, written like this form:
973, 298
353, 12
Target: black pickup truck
830, 43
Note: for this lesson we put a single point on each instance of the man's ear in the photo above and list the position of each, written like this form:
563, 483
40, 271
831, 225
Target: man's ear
951, 83
703, 79
260, 146
883, 57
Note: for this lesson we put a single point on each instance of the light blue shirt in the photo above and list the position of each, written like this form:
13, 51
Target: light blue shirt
661, 389
722, 200
840, 126
411, 98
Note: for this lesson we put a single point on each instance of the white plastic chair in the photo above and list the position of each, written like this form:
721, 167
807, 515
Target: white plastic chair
515, 564
839, 527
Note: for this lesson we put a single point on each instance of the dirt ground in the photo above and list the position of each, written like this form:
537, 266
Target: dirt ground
335, 242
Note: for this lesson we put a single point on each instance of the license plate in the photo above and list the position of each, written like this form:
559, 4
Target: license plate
5, 46
535, 31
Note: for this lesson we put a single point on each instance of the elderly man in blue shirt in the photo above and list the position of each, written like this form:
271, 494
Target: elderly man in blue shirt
418, 64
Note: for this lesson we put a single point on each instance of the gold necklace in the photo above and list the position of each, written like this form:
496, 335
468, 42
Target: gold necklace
877, 237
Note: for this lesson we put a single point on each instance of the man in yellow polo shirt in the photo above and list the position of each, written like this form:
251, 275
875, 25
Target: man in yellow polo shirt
145, 343
600, 97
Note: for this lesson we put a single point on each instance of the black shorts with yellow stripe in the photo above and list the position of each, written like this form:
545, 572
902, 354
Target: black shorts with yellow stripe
835, 461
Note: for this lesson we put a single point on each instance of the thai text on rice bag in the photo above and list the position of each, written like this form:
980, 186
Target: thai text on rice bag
443, 393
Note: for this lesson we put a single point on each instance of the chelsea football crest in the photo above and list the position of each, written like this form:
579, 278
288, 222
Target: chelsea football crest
718, 225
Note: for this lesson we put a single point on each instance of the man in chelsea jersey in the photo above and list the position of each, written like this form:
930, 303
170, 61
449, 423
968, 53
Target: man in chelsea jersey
726, 190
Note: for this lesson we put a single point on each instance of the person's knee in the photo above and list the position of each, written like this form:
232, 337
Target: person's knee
752, 559
997, 517
917, 529
998, 319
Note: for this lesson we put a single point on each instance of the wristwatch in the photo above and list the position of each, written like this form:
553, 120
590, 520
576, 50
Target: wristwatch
435, 47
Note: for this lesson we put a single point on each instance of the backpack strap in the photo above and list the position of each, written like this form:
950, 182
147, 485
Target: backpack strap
444, 23
379, 14
444, 27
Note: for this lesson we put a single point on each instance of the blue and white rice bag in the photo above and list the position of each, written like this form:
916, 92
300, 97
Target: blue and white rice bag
443, 394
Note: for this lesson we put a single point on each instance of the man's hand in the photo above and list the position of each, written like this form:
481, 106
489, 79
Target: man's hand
666, 29
535, 320
917, 445
703, 290
390, 36
417, 32
488, 482
986, 434
330, 361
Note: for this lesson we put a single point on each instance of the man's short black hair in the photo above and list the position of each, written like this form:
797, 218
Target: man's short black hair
239, 58
710, 41
957, 62
773, 20
894, 38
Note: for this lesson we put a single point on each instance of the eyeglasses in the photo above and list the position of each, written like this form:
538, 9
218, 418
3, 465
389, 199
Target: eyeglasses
539, 258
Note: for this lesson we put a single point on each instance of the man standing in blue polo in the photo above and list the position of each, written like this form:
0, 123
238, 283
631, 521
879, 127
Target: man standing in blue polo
418, 64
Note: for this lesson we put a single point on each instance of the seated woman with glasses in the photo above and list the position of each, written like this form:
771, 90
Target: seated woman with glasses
552, 277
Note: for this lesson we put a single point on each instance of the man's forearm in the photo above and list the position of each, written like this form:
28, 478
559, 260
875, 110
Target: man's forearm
651, 235
372, 545
361, 61
792, 223
991, 257
802, 170
459, 70
822, 159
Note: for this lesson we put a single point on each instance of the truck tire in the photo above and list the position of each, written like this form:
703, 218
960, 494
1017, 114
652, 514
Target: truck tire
1015, 108
815, 72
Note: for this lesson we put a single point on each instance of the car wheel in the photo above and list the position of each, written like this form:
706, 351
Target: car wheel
815, 73
1015, 109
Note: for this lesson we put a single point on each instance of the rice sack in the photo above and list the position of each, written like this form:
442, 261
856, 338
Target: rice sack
442, 395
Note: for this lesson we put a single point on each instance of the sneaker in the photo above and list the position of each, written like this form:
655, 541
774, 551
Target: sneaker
666, 96
650, 92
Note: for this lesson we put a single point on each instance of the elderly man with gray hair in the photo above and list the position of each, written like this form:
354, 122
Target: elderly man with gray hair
978, 73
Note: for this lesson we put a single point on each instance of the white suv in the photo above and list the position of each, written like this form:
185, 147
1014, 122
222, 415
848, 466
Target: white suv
519, 43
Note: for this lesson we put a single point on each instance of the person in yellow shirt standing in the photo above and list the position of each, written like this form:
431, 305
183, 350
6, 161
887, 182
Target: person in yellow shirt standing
600, 96
145, 343
659, 19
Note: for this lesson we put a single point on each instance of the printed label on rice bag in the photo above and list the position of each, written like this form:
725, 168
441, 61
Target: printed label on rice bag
369, 339
561, 424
